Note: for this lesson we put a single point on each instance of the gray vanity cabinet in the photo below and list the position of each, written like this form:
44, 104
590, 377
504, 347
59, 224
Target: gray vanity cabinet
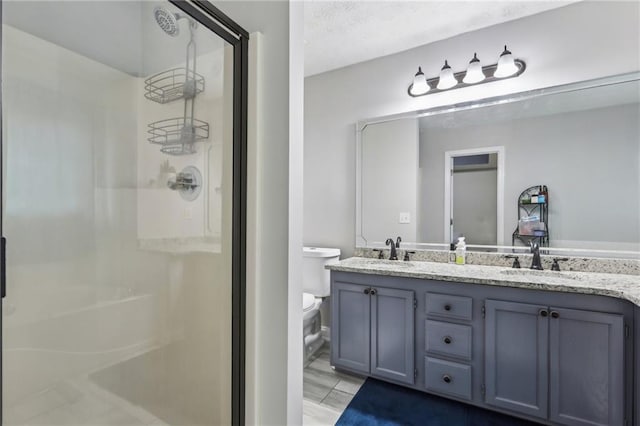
351, 333
516, 362
582, 392
536, 353
375, 330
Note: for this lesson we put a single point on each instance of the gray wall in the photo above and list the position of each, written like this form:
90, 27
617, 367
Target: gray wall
588, 159
559, 47
267, 216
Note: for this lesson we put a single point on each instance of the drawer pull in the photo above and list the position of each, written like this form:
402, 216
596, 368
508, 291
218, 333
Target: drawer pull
543, 312
447, 340
367, 290
373, 291
447, 307
554, 314
446, 378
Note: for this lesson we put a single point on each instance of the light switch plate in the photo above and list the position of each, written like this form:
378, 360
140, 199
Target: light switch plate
404, 217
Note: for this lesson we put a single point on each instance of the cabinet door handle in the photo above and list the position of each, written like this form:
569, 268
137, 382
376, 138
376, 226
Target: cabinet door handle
367, 290
543, 312
447, 340
447, 307
554, 314
446, 378
373, 291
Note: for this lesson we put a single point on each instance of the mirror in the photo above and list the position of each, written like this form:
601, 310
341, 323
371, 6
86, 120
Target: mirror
559, 166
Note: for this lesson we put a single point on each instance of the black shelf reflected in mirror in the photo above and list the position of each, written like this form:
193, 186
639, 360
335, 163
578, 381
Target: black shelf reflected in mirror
533, 217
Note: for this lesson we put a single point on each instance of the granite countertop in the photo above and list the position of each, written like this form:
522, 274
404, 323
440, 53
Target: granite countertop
625, 287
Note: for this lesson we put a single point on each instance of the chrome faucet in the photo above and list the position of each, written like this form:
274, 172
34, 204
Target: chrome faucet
536, 263
393, 255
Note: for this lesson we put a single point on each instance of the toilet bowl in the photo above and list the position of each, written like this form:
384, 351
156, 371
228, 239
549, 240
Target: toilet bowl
312, 325
316, 287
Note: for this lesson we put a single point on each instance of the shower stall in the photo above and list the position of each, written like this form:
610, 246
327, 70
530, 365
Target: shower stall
123, 177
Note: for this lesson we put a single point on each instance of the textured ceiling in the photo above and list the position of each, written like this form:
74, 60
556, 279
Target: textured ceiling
341, 33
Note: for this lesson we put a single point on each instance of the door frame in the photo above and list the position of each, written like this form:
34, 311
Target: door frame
223, 26
448, 186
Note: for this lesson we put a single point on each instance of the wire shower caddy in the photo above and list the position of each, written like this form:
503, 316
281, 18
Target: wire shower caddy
178, 135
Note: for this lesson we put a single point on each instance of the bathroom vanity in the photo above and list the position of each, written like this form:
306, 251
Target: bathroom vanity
552, 347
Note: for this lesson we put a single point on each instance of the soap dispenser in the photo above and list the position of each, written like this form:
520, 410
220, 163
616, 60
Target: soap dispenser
461, 251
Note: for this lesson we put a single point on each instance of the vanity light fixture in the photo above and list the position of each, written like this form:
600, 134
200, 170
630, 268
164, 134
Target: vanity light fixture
507, 67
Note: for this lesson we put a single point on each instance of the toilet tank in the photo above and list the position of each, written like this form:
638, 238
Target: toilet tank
315, 279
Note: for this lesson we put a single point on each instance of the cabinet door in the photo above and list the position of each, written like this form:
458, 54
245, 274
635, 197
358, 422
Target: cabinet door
392, 334
350, 316
586, 361
516, 361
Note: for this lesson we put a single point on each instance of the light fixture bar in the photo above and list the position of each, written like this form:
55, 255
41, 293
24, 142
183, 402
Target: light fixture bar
488, 71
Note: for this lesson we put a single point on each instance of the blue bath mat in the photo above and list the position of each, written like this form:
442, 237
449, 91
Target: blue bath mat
383, 404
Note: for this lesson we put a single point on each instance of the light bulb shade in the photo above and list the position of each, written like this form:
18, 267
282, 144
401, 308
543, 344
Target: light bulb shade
474, 72
419, 86
447, 79
506, 65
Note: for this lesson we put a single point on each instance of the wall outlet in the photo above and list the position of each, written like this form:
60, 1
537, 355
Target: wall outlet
188, 213
404, 217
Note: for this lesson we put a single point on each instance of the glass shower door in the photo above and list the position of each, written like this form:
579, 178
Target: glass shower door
117, 138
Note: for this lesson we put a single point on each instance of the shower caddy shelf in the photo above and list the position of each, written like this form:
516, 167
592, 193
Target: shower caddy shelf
177, 131
171, 85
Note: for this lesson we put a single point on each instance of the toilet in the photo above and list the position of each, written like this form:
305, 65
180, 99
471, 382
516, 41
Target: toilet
315, 286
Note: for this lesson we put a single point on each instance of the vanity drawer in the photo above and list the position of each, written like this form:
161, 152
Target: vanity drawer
448, 339
446, 305
447, 377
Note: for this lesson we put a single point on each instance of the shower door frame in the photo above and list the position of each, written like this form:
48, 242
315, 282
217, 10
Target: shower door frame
206, 14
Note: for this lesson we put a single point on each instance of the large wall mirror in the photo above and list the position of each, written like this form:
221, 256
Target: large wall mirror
559, 166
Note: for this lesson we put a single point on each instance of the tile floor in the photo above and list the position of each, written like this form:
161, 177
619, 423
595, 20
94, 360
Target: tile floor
326, 391
77, 403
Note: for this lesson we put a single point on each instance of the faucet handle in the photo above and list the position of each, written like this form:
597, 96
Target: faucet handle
380, 253
555, 266
398, 241
406, 255
516, 261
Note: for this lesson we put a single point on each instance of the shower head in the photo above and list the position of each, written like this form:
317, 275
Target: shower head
168, 21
